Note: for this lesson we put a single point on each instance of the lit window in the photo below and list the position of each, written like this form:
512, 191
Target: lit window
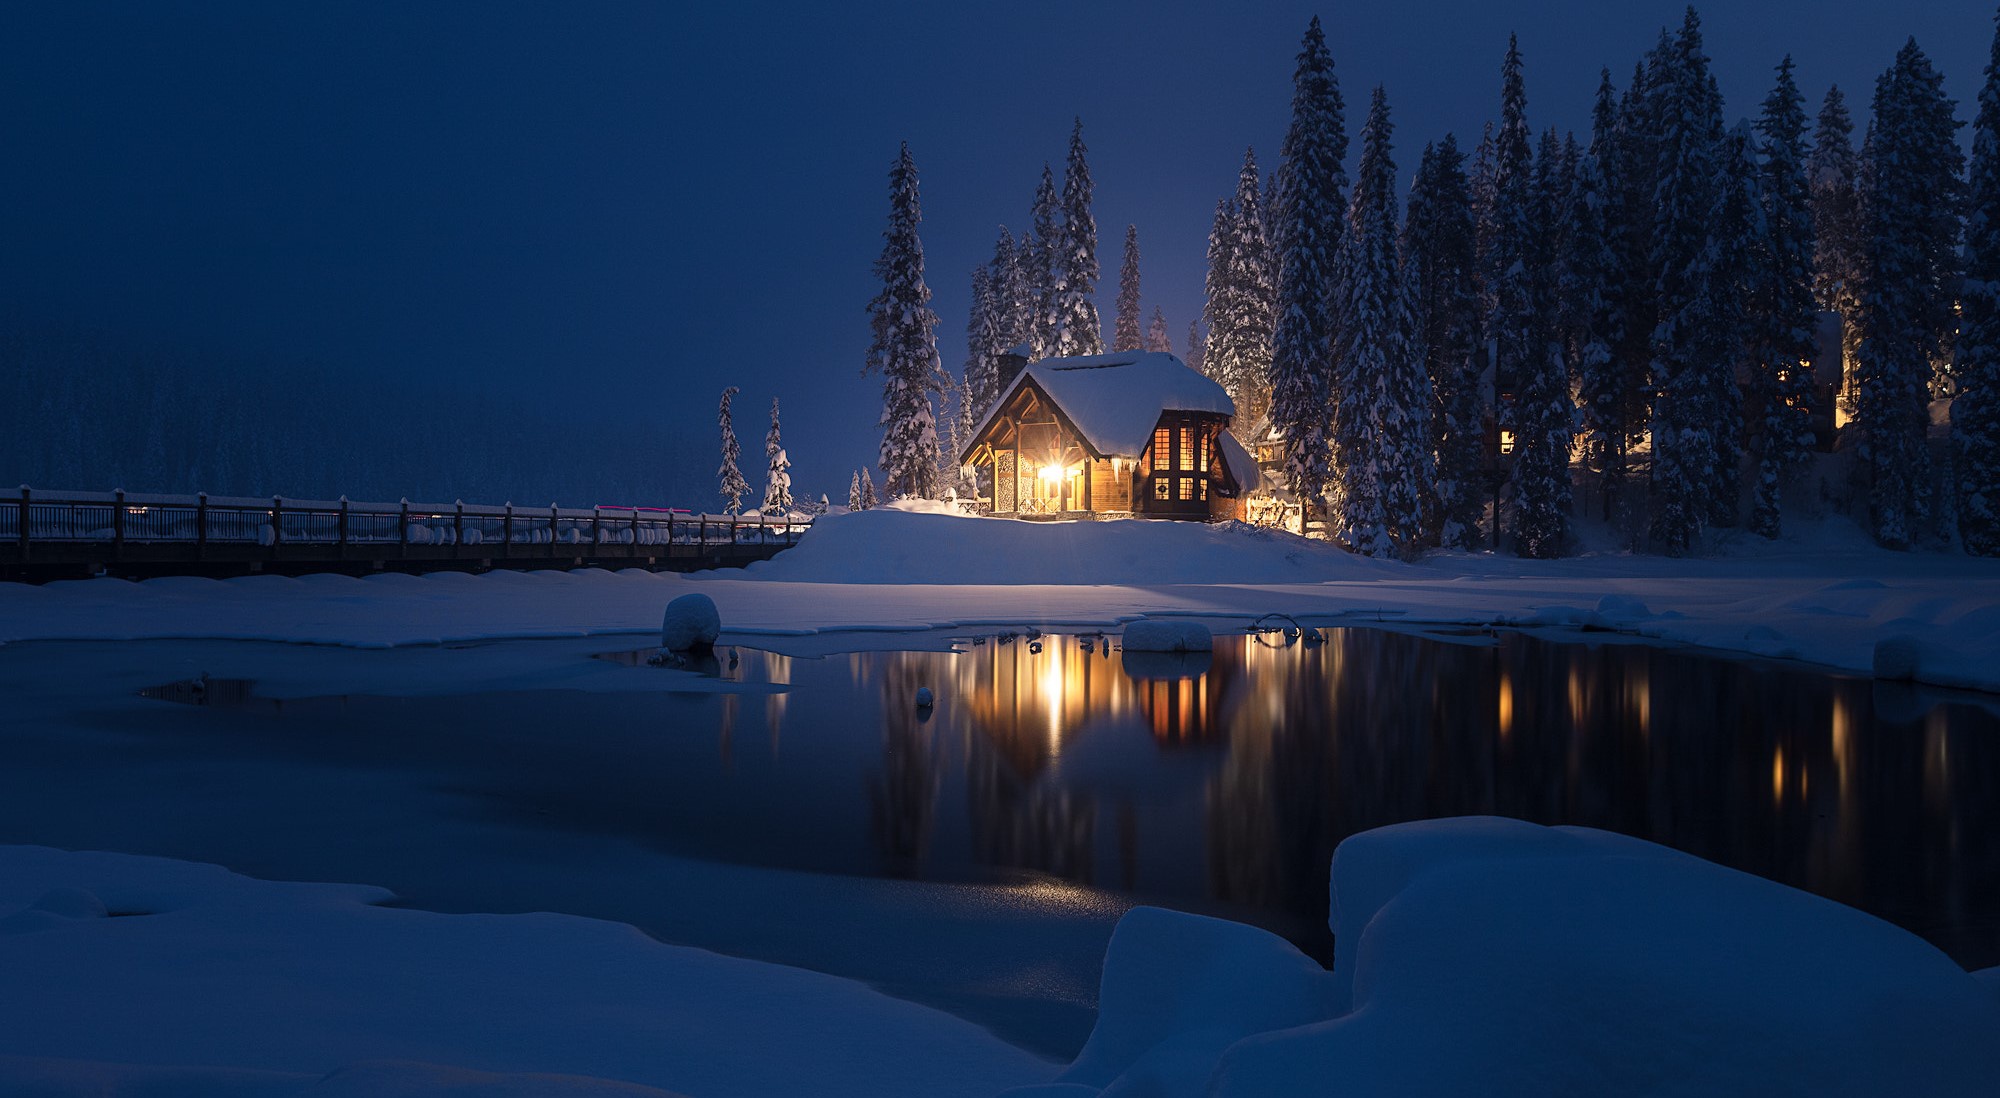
1201, 492
1187, 449
1163, 444
1187, 487
1162, 488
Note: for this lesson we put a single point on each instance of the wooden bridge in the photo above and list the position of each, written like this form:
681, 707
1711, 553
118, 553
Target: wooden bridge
67, 535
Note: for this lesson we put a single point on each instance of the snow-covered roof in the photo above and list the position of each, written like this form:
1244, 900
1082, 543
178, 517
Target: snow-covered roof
1115, 400
1242, 466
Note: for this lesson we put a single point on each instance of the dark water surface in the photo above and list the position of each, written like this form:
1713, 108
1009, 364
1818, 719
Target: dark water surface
1224, 782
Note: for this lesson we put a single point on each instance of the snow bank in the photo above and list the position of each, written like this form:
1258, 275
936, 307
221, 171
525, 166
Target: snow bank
1168, 636
691, 622
905, 546
208, 983
1492, 956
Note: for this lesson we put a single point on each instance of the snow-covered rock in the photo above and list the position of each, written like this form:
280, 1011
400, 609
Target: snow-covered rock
1168, 636
692, 623
1496, 957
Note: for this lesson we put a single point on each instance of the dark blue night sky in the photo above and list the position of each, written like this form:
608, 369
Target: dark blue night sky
618, 209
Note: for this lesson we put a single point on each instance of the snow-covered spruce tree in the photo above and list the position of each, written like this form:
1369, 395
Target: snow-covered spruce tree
1382, 397
1634, 180
1544, 416
1241, 292
1125, 335
904, 350
734, 487
867, 489
1975, 412
1014, 305
1039, 250
778, 484
1216, 292
1514, 324
1439, 259
1834, 174
1157, 338
1197, 348
1311, 183
1910, 197
1738, 265
1593, 288
1782, 309
854, 491
1078, 330
1691, 338
987, 341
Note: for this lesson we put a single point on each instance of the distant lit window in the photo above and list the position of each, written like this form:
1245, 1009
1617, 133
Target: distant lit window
1162, 488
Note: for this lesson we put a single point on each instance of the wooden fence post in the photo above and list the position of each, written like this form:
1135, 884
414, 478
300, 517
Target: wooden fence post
507, 531
555, 519
596, 528
277, 524
23, 532
340, 534
201, 526
403, 530
118, 524
458, 529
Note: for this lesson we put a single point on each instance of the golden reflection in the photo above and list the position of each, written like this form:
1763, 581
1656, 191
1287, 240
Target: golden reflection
1843, 746
1778, 774
1506, 705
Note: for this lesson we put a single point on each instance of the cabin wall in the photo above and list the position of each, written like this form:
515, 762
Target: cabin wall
1109, 491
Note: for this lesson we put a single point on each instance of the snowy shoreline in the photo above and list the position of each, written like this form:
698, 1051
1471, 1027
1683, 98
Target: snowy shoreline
1825, 599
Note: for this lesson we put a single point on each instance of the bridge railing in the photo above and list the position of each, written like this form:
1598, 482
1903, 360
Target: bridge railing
118, 519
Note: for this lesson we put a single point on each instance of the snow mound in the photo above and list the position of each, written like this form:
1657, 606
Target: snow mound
909, 546
1180, 989
692, 622
1168, 636
1565, 961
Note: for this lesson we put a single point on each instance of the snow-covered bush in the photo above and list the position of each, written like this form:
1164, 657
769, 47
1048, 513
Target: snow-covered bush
691, 624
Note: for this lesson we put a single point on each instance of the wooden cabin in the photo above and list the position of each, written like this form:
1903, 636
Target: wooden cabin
1135, 433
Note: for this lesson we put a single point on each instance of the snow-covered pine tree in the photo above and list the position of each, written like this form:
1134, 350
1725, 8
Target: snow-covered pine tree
1217, 292
1544, 415
1593, 284
1440, 261
983, 338
1633, 180
1513, 325
1014, 306
823, 506
1910, 197
1481, 181
1125, 335
778, 484
1238, 353
1783, 310
1834, 173
1310, 185
1691, 338
1197, 348
1975, 412
1739, 265
1157, 338
734, 487
1078, 330
1039, 250
868, 499
904, 350
854, 491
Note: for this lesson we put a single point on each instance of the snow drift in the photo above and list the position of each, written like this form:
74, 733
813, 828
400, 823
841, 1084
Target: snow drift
898, 546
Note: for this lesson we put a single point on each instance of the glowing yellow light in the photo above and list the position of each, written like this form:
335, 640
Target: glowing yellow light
1506, 442
1506, 706
1050, 472
1778, 774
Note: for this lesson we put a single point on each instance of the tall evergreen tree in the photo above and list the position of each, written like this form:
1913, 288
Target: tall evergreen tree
868, 498
1634, 181
1382, 409
1910, 198
904, 350
1514, 324
1125, 335
1014, 311
1975, 412
1241, 293
854, 491
1834, 173
1593, 285
1691, 340
1440, 261
1040, 250
1078, 330
1310, 184
1197, 348
734, 487
1544, 415
1217, 290
1782, 308
1157, 338
1739, 265
778, 479
984, 343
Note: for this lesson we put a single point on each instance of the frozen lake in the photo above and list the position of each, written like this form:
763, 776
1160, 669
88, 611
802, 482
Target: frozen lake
972, 855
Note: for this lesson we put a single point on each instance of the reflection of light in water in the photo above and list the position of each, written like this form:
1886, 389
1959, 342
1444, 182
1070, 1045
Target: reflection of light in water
1052, 692
1937, 758
1642, 701
1575, 697
1843, 746
1778, 773
1506, 705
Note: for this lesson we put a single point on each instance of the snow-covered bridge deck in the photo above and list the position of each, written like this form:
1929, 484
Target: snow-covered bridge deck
63, 535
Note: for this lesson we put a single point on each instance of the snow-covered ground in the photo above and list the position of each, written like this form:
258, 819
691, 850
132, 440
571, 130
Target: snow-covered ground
1825, 595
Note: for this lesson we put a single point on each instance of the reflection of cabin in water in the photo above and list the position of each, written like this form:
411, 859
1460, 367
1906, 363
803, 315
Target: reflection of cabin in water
1136, 433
